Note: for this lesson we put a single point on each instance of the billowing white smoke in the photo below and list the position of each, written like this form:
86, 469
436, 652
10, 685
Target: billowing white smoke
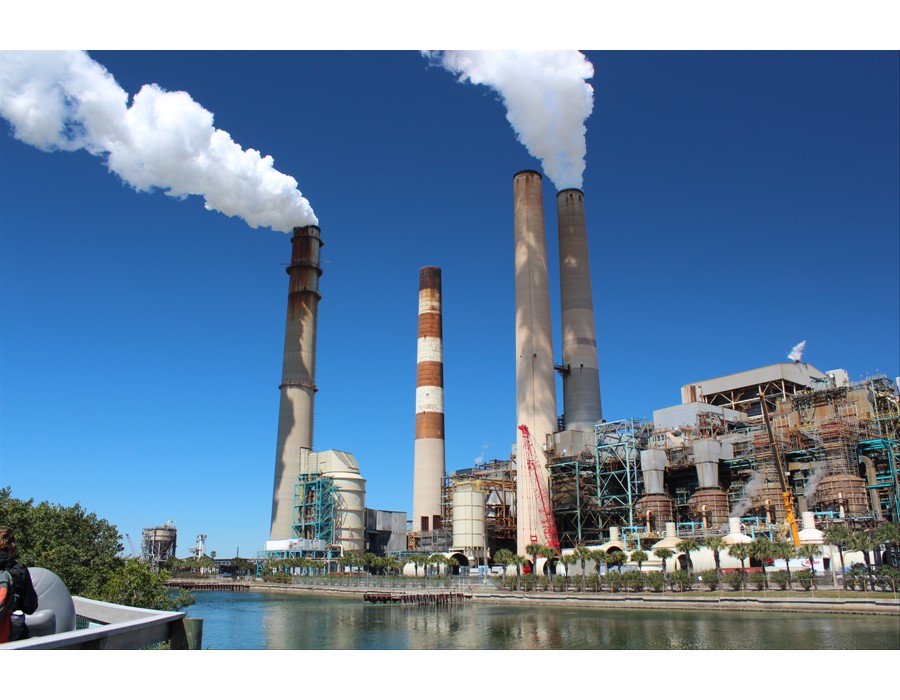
751, 488
809, 491
796, 352
546, 97
66, 101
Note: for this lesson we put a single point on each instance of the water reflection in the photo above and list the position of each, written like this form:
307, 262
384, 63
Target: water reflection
270, 621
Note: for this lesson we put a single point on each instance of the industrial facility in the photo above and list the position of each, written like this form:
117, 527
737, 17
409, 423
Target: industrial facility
779, 451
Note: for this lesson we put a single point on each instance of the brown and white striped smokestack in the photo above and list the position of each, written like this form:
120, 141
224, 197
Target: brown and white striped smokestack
581, 380
298, 376
428, 466
535, 379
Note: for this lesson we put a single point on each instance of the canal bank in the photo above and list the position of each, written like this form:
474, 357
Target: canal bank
802, 602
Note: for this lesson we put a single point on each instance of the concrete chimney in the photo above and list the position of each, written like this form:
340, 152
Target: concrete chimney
535, 380
581, 377
298, 387
428, 465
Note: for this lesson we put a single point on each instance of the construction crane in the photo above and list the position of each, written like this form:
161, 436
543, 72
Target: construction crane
535, 473
786, 495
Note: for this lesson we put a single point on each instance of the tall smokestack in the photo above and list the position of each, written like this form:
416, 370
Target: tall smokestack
535, 380
428, 465
298, 376
581, 379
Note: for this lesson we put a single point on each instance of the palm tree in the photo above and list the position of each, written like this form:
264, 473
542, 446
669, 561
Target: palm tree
639, 556
438, 560
535, 550
761, 548
862, 541
598, 556
582, 554
784, 549
616, 558
811, 551
838, 536
418, 560
741, 550
567, 560
889, 534
716, 544
686, 547
665, 554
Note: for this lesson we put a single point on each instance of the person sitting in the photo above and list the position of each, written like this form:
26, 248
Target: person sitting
24, 600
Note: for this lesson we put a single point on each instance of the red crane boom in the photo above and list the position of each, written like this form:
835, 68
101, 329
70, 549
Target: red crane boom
548, 524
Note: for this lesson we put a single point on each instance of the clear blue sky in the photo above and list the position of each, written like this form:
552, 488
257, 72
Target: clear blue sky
736, 204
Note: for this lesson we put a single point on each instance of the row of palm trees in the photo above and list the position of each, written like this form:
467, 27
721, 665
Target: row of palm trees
761, 549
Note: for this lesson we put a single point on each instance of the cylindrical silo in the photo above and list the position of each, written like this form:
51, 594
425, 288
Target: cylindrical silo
468, 517
535, 380
428, 463
350, 511
581, 378
298, 387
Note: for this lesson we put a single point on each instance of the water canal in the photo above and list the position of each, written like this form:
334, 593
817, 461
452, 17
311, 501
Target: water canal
255, 620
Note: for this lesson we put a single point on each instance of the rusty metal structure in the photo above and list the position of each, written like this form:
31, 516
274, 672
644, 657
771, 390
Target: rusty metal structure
298, 379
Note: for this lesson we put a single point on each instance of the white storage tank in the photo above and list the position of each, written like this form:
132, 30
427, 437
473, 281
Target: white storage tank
350, 511
468, 516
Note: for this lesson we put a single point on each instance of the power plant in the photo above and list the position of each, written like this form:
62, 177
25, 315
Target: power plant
750, 454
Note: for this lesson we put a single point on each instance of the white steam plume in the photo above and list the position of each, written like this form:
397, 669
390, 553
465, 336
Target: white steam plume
751, 488
796, 352
66, 101
546, 97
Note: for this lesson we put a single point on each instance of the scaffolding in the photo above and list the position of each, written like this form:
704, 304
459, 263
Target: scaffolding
574, 499
883, 455
315, 498
617, 446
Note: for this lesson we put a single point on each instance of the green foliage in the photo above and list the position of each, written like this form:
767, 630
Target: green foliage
681, 580
740, 550
780, 579
734, 579
542, 583
77, 546
593, 582
665, 554
805, 579
686, 547
758, 580
135, 585
634, 580
614, 580
888, 578
656, 580
83, 550
710, 579
616, 558
528, 582
639, 556
277, 577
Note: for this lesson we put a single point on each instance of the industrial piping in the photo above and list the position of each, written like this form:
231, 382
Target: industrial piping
535, 379
428, 464
581, 376
298, 387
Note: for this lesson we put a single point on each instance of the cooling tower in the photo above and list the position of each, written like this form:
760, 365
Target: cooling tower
428, 465
581, 377
298, 387
535, 381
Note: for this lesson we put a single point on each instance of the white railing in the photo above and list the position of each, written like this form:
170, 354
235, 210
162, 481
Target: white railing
120, 627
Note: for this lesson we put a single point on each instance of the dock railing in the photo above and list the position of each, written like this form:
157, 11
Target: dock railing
111, 626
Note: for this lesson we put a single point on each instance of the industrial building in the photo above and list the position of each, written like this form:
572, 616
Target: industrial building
707, 466
703, 467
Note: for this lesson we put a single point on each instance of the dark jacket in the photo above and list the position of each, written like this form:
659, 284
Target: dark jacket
24, 599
